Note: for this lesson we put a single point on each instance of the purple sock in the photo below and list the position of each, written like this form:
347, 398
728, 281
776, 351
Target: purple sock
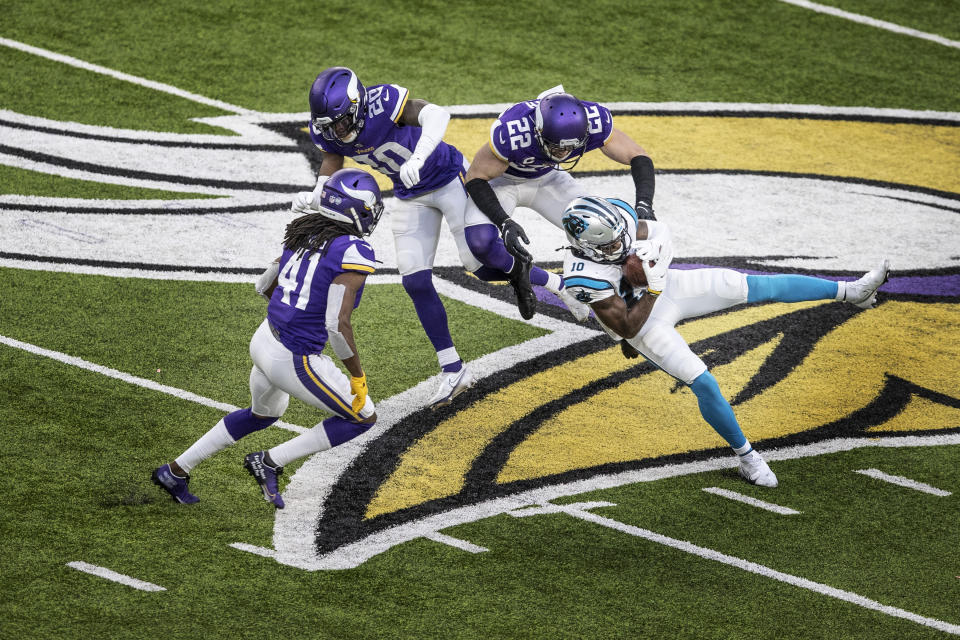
340, 430
453, 367
429, 308
538, 276
242, 422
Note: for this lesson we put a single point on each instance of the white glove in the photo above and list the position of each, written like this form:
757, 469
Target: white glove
309, 201
410, 171
656, 277
304, 202
645, 249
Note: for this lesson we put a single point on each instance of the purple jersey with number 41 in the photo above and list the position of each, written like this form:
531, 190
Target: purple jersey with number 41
385, 145
298, 306
513, 141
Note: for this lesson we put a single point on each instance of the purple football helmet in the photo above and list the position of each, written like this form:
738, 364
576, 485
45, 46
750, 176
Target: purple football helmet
352, 197
337, 105
561, 127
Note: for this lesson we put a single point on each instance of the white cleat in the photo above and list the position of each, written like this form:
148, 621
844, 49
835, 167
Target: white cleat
579, 310
863, 292
754, 469
451, 385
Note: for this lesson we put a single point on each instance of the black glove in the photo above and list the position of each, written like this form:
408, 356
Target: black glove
513, 233
644, 211
628, 350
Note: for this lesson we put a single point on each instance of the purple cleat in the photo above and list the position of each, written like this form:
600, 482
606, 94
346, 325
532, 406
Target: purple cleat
266, 476
173, 484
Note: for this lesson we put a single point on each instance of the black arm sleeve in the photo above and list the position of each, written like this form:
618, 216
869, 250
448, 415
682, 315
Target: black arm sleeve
482, 194
641, 168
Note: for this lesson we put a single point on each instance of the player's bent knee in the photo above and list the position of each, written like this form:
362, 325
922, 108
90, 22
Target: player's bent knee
420, 282
481, 239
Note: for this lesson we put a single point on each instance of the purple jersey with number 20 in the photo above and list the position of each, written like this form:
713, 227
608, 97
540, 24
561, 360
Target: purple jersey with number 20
513, 141
298, 306
385, 145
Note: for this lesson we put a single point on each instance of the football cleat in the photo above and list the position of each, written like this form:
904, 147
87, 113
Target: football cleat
754, 469
579, 310
266, 476
526, 298
165, 478
863, 292
451, 385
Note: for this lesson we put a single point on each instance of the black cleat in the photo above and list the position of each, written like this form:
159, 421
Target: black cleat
520, 281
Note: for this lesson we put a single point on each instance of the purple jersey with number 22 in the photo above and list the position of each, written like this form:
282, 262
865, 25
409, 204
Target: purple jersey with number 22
513, 141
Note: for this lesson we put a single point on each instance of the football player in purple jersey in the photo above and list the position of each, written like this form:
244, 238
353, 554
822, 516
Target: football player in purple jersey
313, 289
532, 146
401, 137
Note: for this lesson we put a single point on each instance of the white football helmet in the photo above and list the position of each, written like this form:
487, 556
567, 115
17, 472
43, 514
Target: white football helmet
597, 229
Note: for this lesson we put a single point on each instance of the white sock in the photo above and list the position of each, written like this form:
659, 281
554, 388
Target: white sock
447, 356
841, 290
554, 282
217, 439
303, 445
744, 449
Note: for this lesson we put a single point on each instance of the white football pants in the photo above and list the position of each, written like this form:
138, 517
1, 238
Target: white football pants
416, 227
278, 374
687, 294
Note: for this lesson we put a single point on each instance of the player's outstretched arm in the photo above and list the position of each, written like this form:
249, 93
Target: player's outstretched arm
626, 323
486, 166
341, 299
433, 120
623, 149
309, 201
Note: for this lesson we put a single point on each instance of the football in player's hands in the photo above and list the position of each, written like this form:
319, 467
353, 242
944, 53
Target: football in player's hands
633, 271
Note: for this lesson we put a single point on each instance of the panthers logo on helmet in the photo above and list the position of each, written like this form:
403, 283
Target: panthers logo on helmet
574, 225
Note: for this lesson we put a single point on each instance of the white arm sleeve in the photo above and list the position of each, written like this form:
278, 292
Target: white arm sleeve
434, 121
266, 278
332, 320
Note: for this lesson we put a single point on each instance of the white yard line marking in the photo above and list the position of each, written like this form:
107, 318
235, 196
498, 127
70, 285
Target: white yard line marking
254, 549
442, 538
103, 572
577, 511
140, 382
904, 482
119, 75
873, 22
753, 502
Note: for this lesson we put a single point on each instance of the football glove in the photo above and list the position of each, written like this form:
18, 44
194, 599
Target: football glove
513, 233
358, 386
410, 170
309, 201
656, 276
644, 210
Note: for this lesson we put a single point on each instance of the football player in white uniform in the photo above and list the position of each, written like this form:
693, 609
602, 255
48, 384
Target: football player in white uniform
604, 232
313, 289
532, 147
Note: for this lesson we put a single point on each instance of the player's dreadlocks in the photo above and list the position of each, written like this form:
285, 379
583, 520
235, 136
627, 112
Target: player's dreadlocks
313, 232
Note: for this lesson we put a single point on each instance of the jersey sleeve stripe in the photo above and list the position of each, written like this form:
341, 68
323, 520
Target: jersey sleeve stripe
358, 267
587, 283
401, 103
493, 146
